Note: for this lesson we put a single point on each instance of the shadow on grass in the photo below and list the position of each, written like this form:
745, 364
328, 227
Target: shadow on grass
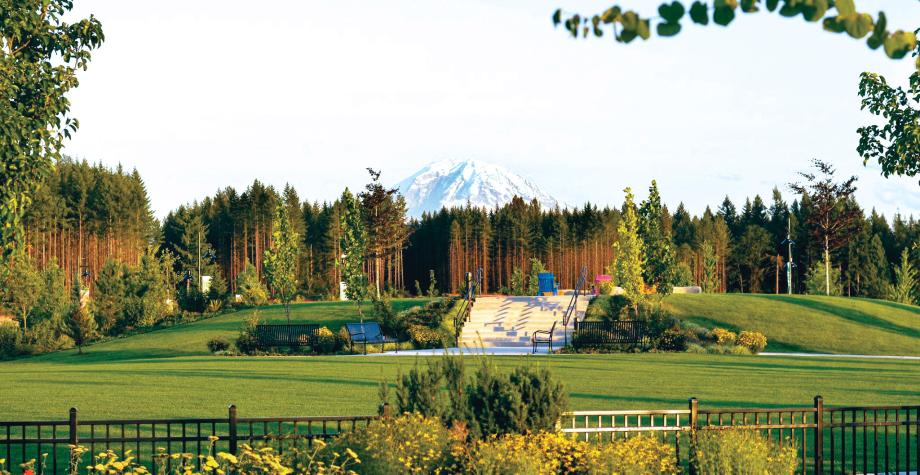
855, 316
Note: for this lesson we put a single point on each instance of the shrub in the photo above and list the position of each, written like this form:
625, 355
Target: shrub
411, 443
248, 343
553, 452
741, 452
10, 340
696, 348
754, 341
607, 288
326, 342
722, 336
218, 344
423, 337
250, 288
489, 402
672, 339
739, 350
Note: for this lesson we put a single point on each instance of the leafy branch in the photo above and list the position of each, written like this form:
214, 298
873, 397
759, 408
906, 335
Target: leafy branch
836, 16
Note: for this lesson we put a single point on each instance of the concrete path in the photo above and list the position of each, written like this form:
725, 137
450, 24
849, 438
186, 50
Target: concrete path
830, 355
494, 351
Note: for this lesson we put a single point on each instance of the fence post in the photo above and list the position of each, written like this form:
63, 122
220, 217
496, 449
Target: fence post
819, 434
694, 420
386, 410
74, 439
232, 418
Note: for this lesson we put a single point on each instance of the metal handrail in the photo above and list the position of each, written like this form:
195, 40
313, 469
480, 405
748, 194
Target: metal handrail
573, 303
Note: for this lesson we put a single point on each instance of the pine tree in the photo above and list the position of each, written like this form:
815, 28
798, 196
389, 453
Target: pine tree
904, 289
630, 253
282, 257
81, 324
354, 251
109, 295
710, 280
659, 269
818, 283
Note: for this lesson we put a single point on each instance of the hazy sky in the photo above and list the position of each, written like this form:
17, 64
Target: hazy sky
198, 95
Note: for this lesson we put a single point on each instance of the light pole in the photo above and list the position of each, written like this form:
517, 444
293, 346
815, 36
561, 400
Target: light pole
789, 264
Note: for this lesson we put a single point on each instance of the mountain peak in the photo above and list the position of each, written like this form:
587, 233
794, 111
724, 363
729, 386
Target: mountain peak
456, 182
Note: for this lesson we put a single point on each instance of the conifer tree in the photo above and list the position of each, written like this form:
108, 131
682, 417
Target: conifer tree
81, 324
660, 264
354, 251
904, 289
282, 257
710, 280
630, 253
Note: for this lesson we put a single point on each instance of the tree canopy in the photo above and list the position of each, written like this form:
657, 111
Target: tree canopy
40, 55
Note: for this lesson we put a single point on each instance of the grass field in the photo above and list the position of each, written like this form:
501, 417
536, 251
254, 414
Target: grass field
809, 323
169, 373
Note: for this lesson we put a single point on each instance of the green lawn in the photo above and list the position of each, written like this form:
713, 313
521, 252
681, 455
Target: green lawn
186, 386
809, 323
169, 372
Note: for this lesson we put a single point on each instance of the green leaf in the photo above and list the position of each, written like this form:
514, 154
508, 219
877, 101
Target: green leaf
899, 44
610, 15
668, 29
833, 25
790, 9
878, 32
815, 10
845, 7
644, 30
671, 13
772, 4
699, 13
749, 6
557, 17
723, 15
858, 25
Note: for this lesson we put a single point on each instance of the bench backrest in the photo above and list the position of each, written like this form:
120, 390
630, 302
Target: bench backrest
295, 334
368, 330
608, 332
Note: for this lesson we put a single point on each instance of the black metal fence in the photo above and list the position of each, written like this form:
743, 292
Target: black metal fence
865, 439
870, 439
21, 441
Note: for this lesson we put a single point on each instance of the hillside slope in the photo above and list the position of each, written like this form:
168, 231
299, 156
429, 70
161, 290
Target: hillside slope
813, 324
191, 339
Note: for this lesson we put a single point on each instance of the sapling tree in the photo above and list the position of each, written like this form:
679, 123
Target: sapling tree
81, 324
354, 249
660, 265
630, 253
280, 263
904, 289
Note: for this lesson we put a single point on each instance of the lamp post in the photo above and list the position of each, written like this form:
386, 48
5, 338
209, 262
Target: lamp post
789, 264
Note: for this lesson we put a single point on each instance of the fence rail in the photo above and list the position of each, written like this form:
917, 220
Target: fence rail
21, 441
863, 439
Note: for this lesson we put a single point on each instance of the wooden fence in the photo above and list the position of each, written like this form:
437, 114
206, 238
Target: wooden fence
866, 439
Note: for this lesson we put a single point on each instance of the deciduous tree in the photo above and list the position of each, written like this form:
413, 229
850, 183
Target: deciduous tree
282, 257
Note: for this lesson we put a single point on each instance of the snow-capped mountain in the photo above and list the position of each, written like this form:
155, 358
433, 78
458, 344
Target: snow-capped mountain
455, 182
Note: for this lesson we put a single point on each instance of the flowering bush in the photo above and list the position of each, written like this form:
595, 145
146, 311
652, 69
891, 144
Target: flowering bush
325, 341
740, 452
553, 452
423, 337
411, 443
723, 336
754, 341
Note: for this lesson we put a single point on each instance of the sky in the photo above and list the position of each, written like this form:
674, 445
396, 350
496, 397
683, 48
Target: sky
202, 95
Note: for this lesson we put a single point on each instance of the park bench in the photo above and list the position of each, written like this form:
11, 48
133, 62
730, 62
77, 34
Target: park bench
289, 335
369, 332
547, 283
543, 336
604, 333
